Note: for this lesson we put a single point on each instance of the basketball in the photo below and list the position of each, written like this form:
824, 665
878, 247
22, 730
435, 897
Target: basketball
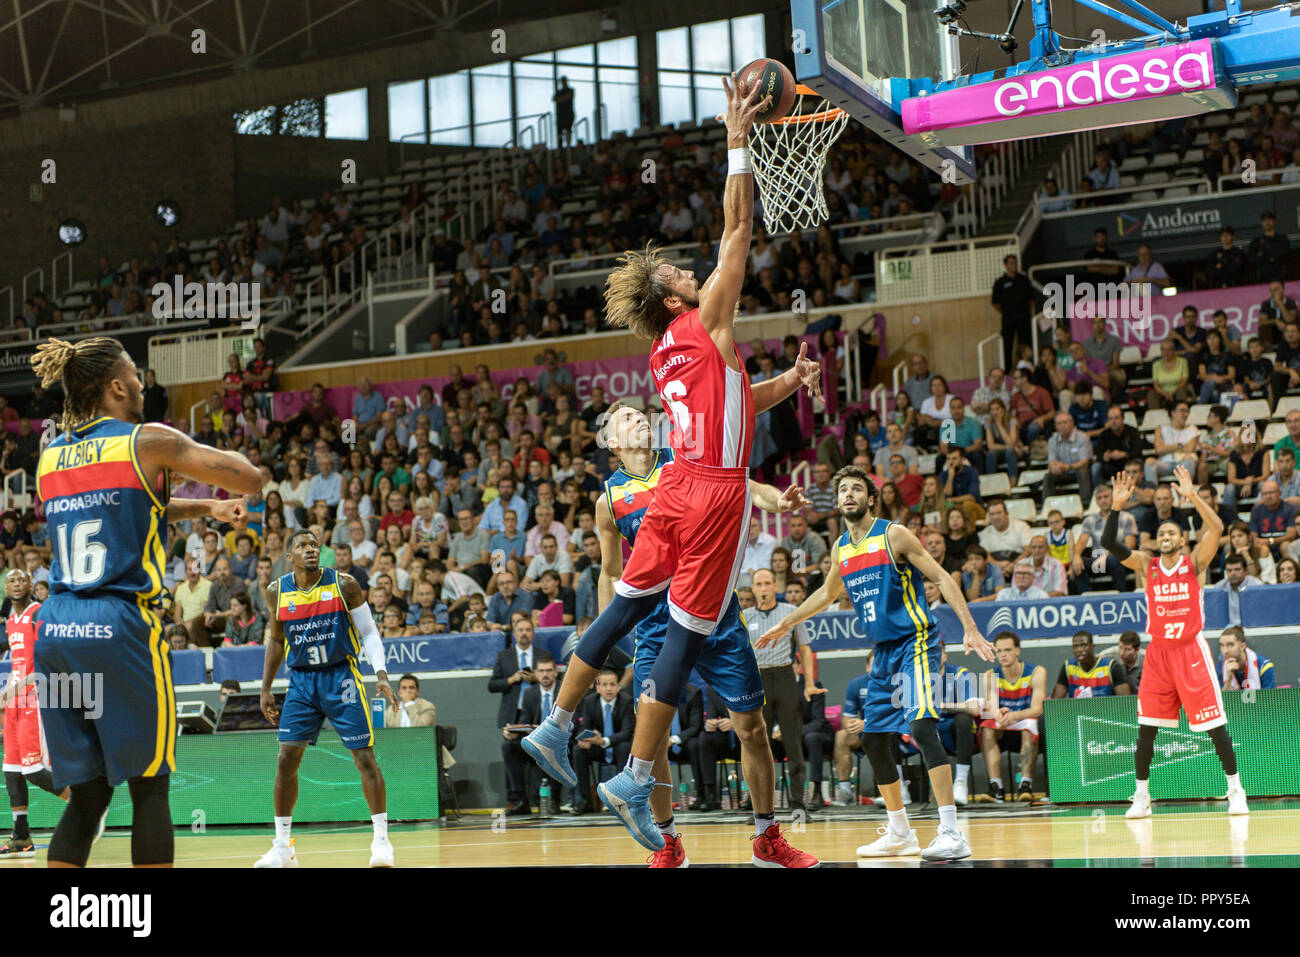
776, 81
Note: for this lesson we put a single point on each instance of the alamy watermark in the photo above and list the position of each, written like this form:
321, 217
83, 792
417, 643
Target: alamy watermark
74, 692
212, 300
1130, 302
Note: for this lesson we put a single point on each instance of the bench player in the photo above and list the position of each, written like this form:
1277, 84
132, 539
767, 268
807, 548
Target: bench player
322, 619
727, 662
694, 533
881, 564
104, 483
25, 758
1178, 670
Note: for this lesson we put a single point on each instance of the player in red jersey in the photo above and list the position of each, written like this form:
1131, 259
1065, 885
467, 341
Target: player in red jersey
25, 758
693, 536
1178, 668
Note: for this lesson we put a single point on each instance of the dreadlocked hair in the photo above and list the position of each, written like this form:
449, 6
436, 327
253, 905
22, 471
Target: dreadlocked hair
83, 368
635, 294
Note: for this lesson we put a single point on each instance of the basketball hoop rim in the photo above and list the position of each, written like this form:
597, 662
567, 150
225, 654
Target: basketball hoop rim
825, 116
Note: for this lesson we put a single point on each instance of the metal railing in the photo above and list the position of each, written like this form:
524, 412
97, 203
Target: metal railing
979, 353
54, 273
945, 269
997, 176
40, 286
898, 374
21, 494
1194, 182
196, 355
878, 400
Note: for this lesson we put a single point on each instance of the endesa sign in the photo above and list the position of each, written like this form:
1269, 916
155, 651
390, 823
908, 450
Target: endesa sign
1148, 85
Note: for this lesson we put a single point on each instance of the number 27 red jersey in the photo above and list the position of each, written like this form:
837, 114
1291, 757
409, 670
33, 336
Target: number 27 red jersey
711, 404
1175, 608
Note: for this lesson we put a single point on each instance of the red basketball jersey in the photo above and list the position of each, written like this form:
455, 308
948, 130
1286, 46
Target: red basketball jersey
711, 404
1175, 609
21, 631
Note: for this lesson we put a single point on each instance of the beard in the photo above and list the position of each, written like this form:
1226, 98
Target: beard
856, 514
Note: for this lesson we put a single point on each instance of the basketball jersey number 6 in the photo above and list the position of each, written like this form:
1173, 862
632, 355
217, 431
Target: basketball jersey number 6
673, 392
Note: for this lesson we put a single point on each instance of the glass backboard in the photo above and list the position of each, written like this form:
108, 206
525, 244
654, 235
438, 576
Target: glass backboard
860, 55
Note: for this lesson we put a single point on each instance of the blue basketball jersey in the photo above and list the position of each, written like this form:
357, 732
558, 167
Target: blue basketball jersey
629, 495
108, 527
888, 599
318, 629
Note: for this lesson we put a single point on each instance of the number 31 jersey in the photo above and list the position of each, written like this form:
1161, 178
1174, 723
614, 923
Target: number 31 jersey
710, 403
107, 526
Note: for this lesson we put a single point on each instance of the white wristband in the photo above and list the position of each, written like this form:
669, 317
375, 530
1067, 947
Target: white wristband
738, 161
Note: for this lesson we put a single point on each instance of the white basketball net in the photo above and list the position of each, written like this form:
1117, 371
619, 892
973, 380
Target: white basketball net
788, 157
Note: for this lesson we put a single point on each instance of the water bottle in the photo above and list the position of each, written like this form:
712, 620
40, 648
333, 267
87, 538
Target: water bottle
726, 795
377, 710
685, 798
544, 798
744, 793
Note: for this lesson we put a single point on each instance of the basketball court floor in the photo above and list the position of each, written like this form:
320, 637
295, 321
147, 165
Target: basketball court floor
1183, 834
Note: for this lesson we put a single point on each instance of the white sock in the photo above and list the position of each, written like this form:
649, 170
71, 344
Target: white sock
963, 773
898, 822
380, 822
1234, 782
640, 769
1027, 779
282, 827
995, 782
561, 717
667, 828
948, 816
1143, 789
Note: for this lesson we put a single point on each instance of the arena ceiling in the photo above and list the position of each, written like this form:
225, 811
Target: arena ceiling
63, 52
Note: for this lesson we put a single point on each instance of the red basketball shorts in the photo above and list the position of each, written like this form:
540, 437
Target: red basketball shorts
691, 542
1180, 673
23, 750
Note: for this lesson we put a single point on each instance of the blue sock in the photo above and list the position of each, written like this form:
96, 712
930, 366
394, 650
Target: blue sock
617, 620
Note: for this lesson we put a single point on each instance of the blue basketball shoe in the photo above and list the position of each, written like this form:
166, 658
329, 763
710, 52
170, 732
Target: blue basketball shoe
630, 802
548, 745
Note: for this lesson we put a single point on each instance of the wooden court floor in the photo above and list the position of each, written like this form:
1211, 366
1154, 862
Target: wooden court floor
1187, 834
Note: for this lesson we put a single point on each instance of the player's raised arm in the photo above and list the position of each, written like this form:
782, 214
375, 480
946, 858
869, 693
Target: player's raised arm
274, 655
718, 296
907, 546
161, 446
611, 553
1123, 485
804, 372
364, 619
818, 601
771, 499
1207, 546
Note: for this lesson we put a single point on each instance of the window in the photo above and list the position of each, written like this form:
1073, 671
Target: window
346, 116
341, 115
510, 102
693, 60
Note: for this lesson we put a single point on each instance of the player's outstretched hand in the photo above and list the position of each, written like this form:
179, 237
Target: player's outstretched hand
773, 635
269, 709
741, 108
385, 689
809, 372
1123, 485
1186, 488
973, 643
791, 499
234, 511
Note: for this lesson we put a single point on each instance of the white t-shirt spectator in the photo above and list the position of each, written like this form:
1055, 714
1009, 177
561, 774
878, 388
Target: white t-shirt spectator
365, 551
457, 585
539, 564
758, 554
928, 407
1014, 539
1171, 436
678, 222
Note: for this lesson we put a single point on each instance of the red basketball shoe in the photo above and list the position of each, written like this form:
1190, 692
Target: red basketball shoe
772, 850
672, 854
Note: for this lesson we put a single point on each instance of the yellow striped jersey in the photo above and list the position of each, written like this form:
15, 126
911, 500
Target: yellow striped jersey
889, 598
318, 628
108, 527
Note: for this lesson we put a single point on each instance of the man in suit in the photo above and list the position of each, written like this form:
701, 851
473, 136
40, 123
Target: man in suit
718, 741
684, 735
512, 674
611, 715
415, 711
534, 704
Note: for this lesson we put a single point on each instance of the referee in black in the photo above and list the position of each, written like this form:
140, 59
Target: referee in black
782, 700
1014, 297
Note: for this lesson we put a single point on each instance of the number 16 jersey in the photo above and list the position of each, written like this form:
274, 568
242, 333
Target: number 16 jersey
107, 525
